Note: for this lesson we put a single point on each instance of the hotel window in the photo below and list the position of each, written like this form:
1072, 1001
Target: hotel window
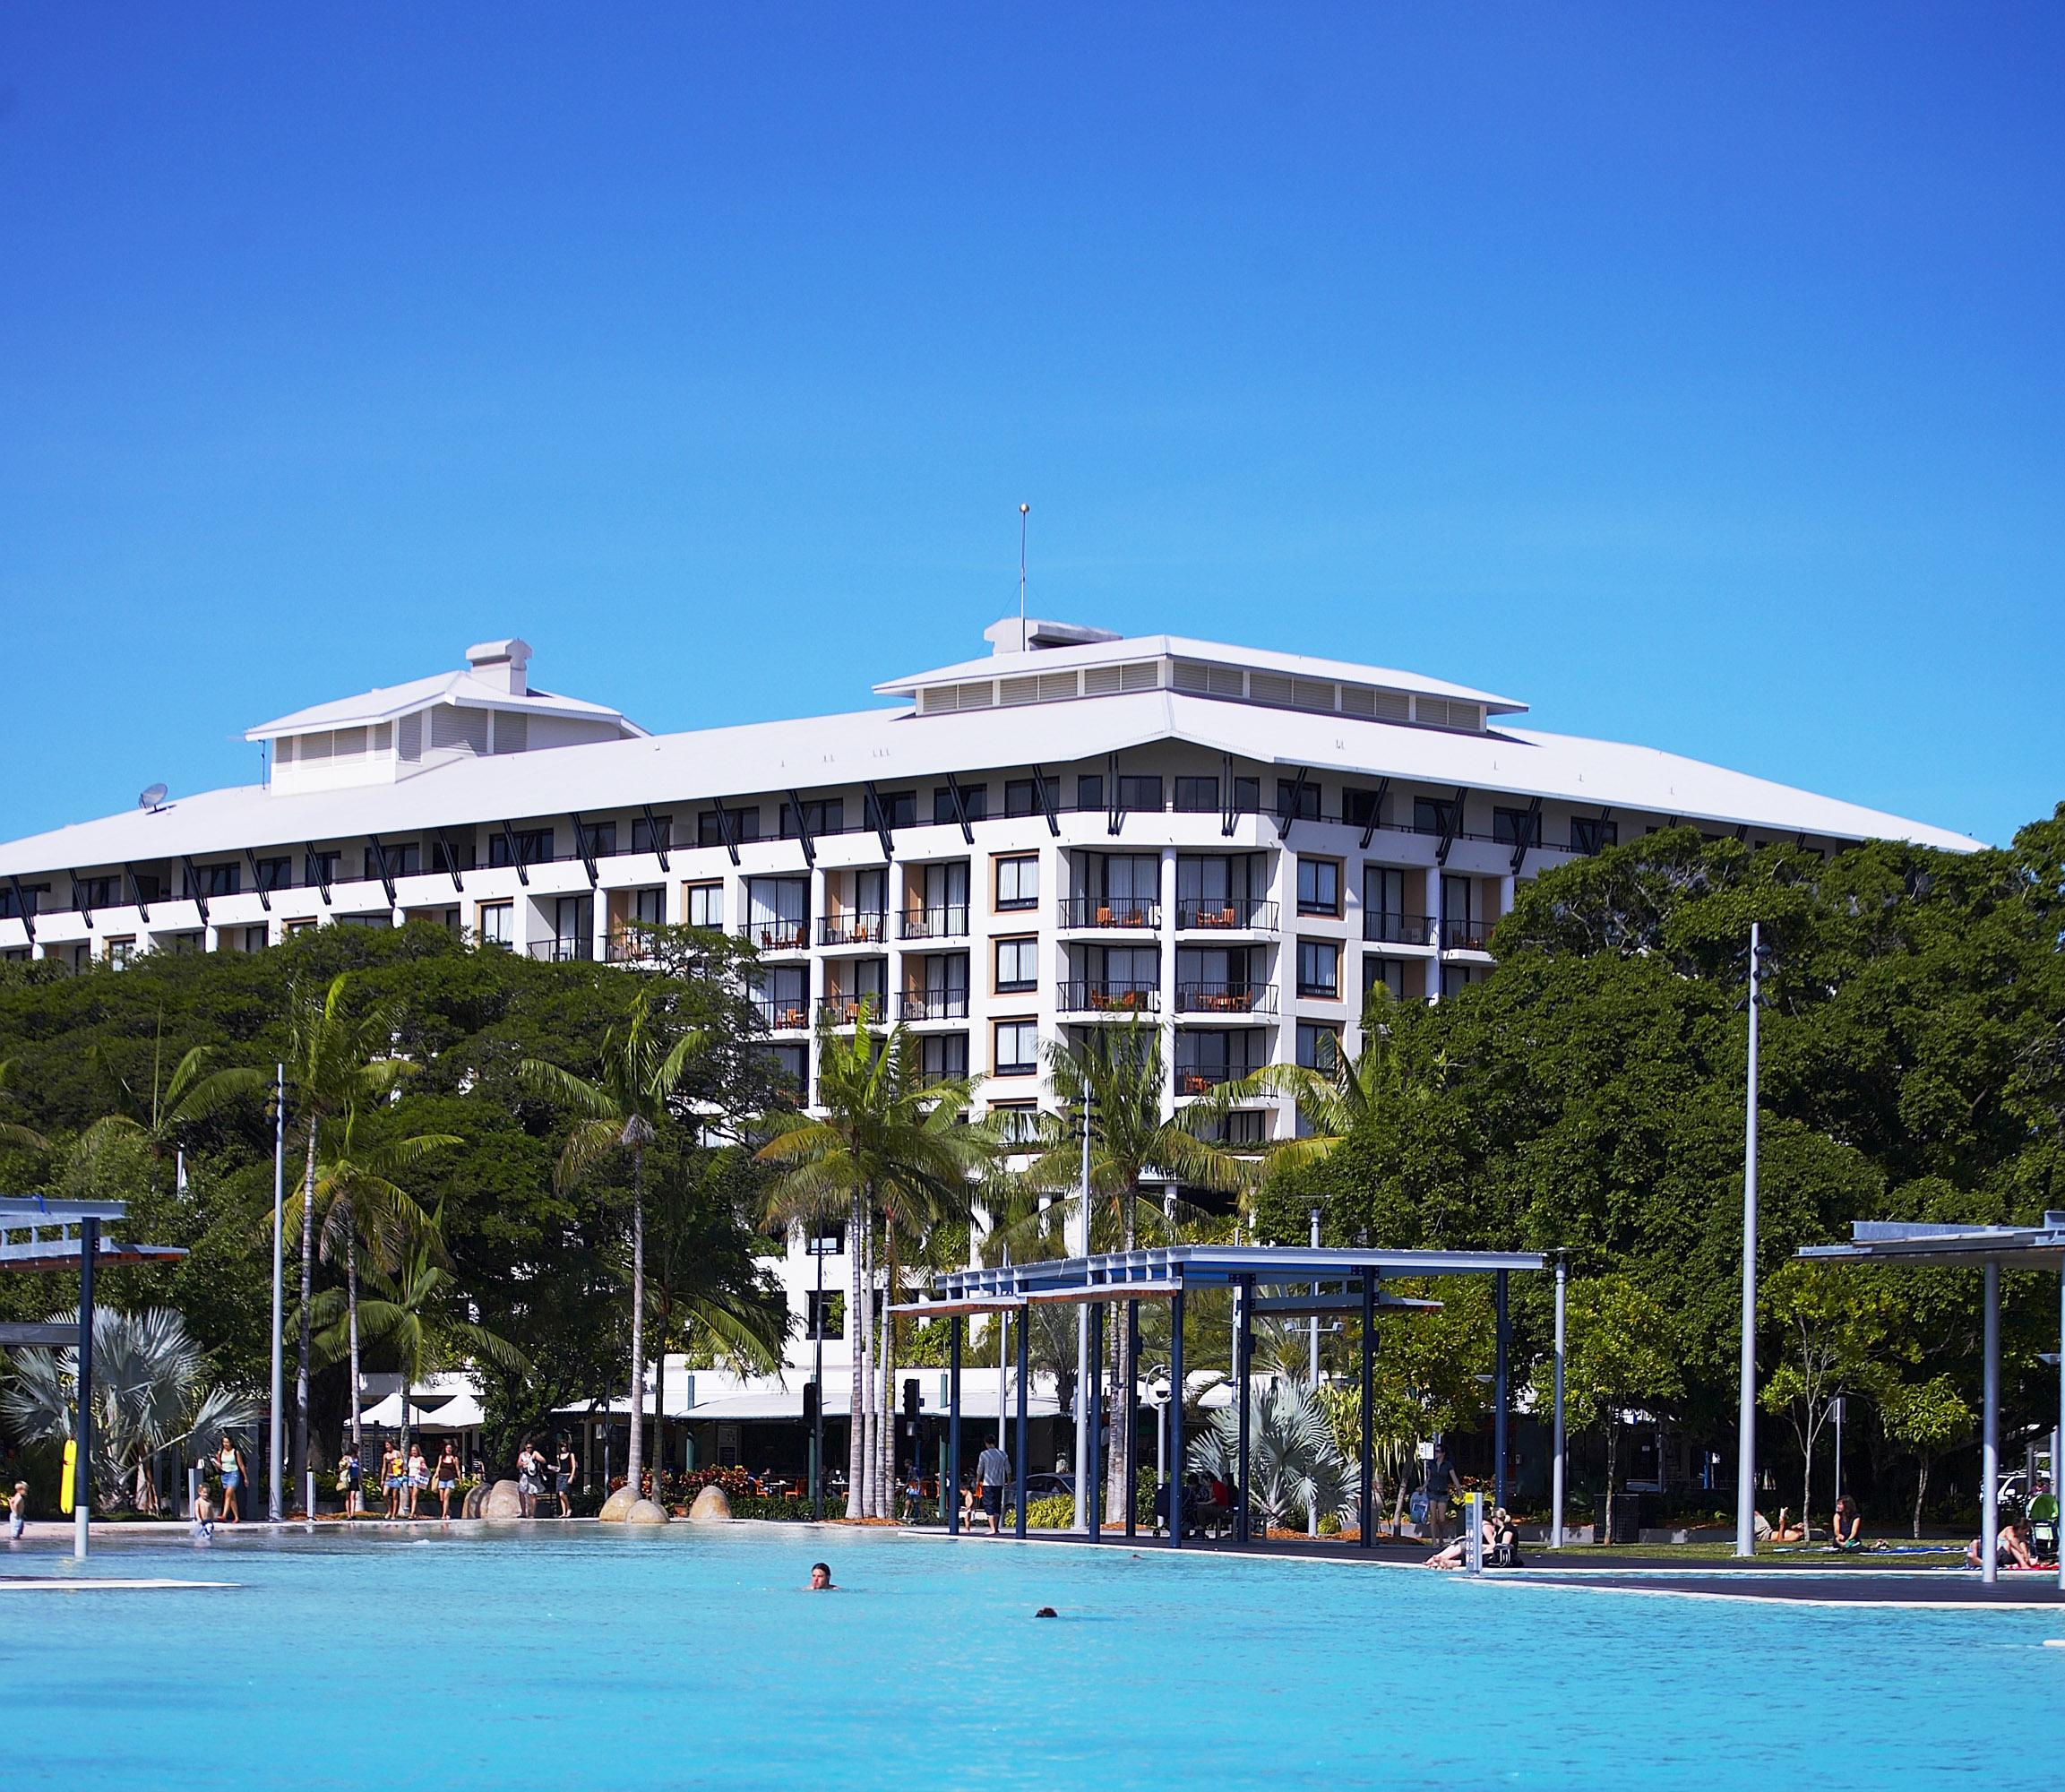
942, 1056
306, 924
1017, 1048
1319, 968
1361, 808
12, 909
1593, 834
648, 906
1090, 791
973, 803
533, 846
1319, 1048
777, 913
1021, 796
214, 880
1319, 886
121, 952
824, 1313
744, 826
498, 923
1247, 796
1434, 815
1457, 977
1517, 827
322, 868
654, 836
1307, 799
1140, 794
458, 857
791, 1068
1388, 971
1197, 796
404, 858
1017, 1122
255, 939
821, 815
1017, 966
706, 906
601, 838
890, 809
1018, 881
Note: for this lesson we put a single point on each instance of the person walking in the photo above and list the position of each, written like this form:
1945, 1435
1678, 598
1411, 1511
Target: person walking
527, 1471
418, 1476
351, 1479
992, 1470
1441, 1485
18, 1511
393, 1477
446, 1481
568, 1466
229, 1466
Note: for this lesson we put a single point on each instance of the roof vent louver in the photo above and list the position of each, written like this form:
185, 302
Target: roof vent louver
411, 737
1103, 681
1054, 686
1394, 706
977, 696
1226, 681
1025, 689
1271, 688
1143, 675
1309, 693
1189, 676
1356, 699
512, 732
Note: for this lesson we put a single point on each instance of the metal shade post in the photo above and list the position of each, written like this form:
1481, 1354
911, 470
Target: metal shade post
1017, 1454
1561, 1451
1369, 1392
1132, 1406
82, 1427
1091, 1468
1746, 1415
952, 1486
1243, 1365
1502, 1388
276, 1419
1989, 1432
1175, 1418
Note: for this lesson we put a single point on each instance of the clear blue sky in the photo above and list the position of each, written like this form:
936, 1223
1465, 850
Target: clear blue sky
1693, 373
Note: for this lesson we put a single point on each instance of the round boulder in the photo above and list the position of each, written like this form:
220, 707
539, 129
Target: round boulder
646, 1512
504, 1500
476, 1498
616, 1506
711, 1507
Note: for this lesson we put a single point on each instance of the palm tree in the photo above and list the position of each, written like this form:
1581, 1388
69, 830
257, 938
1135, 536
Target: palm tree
643, 1069
1295, 1464
358, 1199
148, 1395
406, 1314
1116, 1073
159, 1116
337, 1061
892, 1144
13, 1133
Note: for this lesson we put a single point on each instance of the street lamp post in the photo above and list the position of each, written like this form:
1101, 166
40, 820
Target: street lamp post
276, 1422
1746, 1441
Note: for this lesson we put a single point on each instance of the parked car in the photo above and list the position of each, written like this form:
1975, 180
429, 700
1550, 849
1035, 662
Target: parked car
1046, 1485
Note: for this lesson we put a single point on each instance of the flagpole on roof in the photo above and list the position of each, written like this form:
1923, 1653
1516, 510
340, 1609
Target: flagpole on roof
1024, 511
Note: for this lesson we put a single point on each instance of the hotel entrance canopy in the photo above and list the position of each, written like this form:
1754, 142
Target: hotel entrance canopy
1279, 1282
1988, 1249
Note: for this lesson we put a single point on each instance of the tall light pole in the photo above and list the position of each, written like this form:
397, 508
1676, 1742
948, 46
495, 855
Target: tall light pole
1085, 1418
276, 1422
1746, 1442
1024, 511
1312, 1515
1556, 1470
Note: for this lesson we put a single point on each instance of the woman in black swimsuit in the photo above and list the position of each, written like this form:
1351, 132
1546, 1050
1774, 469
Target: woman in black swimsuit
446, 1481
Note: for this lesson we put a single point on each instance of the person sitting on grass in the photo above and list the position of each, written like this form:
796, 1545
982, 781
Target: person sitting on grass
1848, 1526
1781, 1532
2010, 1546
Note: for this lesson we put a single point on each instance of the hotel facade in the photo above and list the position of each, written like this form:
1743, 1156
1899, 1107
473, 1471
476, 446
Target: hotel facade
1074, 829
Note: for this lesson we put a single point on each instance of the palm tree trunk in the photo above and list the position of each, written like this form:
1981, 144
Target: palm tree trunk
871, 1431
1921, 1493
855, 1339
351, 1319
885, 1474
1613, 1445
308, 1294
635, 1457
1118, 1497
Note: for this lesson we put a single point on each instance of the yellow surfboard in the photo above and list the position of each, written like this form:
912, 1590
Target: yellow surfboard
65, 1501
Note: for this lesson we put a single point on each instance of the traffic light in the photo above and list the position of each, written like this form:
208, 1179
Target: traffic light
910, 1398
810, 1401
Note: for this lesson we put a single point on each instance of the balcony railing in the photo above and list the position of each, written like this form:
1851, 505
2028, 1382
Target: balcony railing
1127, 913
564, 949
948, 922
1225, 998
1219, 914
1203, 1079
1390, 930
778, 935
781, 1014
1466, 936
937, 1005
629, 945
1109, 998
860, 927
844, 1011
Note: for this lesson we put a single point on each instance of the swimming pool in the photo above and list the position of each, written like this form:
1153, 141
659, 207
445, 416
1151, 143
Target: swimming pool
590, 1656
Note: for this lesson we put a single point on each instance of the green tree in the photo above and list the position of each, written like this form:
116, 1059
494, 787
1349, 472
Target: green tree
1927, 1418
162, 1115
887, 1140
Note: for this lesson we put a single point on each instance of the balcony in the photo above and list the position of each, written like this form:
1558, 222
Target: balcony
629, 945
1386, 928
934, 1005
1466, 936
859, 927
844, 1011
1225, 998
1219, 914
564, 949
947, 923
776, 935
1108, 914
1201, 1079
1114, 998
781, 1014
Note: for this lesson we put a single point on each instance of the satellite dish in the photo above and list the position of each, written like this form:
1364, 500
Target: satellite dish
154, 798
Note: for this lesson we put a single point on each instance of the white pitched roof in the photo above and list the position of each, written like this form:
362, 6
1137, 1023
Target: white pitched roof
390, 700
890, 746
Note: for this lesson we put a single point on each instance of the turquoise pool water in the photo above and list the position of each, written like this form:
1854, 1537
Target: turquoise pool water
581, 1657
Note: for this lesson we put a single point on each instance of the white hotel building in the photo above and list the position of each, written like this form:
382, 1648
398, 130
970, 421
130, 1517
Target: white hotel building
1075, 828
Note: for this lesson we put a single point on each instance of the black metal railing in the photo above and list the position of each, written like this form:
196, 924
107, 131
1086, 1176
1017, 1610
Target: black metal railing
1386, 928
1225, 998
933, 1004
1465, 936
1117, 997
628, 945
947, 922
858, 927
1126, 913
1195, 1079
564, 948
845, 1010
783, 1014
1220, 914
778, 935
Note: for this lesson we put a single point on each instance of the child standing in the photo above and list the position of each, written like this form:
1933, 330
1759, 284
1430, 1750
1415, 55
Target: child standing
18, 1511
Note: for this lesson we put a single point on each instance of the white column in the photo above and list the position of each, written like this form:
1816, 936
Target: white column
1990, 1430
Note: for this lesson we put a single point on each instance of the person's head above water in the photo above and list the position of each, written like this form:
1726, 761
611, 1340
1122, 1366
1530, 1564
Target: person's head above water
820, 1577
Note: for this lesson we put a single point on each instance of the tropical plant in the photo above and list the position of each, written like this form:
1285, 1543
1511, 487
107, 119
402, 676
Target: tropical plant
890, 1147
645, 1063
1296, 1467
1114, 1075
1929, 1418
337, 1060
148, 1394
13, 1133
159, 1116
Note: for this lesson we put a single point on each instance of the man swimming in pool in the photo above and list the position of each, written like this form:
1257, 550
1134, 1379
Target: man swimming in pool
820, 1578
